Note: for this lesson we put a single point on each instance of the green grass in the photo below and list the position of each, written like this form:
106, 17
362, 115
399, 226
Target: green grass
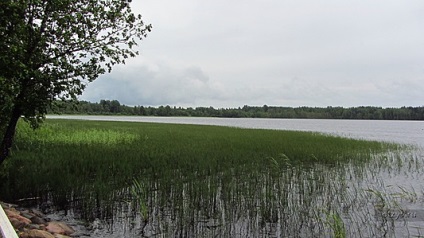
171, 177
65, 155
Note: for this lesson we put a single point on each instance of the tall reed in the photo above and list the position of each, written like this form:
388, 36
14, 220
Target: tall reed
190, 179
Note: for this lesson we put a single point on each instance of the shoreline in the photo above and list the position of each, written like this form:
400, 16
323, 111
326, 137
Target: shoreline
31, 222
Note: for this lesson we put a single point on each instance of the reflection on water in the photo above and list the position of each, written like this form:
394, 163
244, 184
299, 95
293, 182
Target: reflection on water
380, 198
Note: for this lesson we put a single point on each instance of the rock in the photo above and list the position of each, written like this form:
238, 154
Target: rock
26, 214
36, 234
61, 236
11, 211
13, 214
34, 226
17, 224
23, 219
59, 228
7, 205
38, 220
37, 213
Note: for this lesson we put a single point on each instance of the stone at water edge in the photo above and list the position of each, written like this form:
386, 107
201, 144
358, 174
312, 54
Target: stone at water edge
13, 213
25, 221
59, 228
37, 213
35, 234
61, 236
26, 214
38, 220
17, 224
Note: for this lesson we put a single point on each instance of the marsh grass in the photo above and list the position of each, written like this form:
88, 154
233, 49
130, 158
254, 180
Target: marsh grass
188, 179
139, 192
334, 221
63, 153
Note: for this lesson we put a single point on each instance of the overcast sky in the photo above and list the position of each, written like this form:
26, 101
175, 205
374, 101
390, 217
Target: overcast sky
275, 52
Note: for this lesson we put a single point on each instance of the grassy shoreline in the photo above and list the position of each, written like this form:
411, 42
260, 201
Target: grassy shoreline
190, 173
98, 151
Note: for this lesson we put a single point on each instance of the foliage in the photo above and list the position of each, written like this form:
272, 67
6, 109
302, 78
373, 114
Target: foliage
52, 49
113, 107
5, 103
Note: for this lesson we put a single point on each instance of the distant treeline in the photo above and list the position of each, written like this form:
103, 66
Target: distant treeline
113, 107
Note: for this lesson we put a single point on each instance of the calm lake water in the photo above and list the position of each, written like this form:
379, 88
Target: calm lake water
380, 198
405, 132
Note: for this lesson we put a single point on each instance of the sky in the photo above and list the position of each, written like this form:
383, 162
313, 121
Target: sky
273, 52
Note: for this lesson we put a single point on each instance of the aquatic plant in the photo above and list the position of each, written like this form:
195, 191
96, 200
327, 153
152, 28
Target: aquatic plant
139, 193
188, 180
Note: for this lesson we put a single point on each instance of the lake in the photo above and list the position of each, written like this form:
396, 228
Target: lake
380, 198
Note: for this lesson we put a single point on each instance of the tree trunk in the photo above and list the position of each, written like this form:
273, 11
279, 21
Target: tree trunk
9, 135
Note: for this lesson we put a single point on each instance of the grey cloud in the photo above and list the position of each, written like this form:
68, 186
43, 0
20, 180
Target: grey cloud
195, 74
304, 52
154, 84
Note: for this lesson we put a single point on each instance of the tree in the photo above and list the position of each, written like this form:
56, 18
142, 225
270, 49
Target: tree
51, 49
115, 106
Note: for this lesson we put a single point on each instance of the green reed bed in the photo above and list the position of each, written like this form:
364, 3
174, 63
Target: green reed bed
191, 180
71, 155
